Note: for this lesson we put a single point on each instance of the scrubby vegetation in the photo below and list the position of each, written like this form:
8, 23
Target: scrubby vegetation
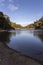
36, 25
6, 24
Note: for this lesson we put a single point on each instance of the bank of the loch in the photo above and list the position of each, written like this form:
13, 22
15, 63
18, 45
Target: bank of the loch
11, 57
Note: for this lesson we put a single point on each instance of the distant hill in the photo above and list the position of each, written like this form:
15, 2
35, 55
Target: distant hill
36, 25
6, 24
39, 24
16, 26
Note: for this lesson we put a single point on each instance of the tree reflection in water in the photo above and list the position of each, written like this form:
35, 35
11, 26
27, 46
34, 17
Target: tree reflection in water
5, 36
39, 34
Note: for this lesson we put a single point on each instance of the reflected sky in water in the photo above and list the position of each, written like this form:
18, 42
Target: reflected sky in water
28, 42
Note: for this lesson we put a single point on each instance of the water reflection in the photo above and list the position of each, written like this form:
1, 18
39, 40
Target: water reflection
39, 34
5, 36
29, 42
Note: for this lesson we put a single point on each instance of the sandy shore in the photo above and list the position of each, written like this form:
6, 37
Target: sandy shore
10, 57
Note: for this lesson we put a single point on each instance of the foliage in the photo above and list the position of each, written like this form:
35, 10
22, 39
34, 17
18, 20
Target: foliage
4, 22
36, 25
39, 24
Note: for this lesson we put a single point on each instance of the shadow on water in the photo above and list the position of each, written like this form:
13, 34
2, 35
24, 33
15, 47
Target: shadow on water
39, 34
5, 36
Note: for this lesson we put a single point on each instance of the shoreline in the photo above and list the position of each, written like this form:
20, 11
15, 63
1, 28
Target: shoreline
12, 57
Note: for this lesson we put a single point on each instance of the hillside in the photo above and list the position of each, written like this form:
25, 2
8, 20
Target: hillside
36, 25
16, 26
39, 24
6, 24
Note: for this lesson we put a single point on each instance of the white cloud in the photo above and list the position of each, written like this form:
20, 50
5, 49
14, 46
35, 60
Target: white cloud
2, 2
12, 7
10, 0
13, 0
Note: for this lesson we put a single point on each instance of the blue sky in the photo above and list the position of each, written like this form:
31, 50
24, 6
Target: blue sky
23, 12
